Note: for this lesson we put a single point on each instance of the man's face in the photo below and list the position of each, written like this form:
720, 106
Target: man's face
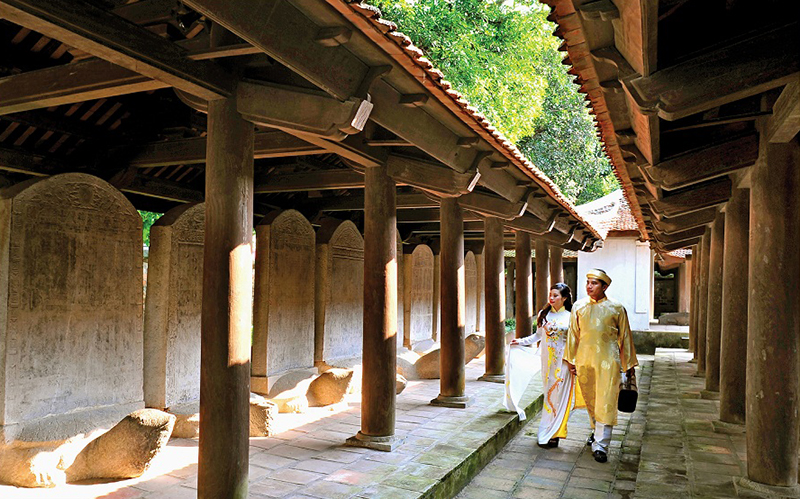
595, 288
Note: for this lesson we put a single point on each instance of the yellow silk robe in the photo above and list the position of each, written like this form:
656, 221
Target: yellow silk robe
600, 345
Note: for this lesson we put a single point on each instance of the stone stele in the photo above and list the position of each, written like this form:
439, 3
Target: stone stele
427, 367
471, 293
283, 305
71, 320
420, 303
339, 294
173, 306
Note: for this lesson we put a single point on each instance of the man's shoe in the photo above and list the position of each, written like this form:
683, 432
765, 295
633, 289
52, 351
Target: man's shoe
590, 440
553, 442
600, 456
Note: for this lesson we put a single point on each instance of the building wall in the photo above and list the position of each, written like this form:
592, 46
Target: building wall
627, 261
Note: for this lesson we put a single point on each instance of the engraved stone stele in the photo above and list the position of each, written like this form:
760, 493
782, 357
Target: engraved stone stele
339, 306
400, 319
421, 297
471, 293
283, 304
428, 365
173, 307
71, 313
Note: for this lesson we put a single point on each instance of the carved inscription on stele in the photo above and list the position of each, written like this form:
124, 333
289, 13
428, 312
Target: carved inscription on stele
421, 294
284, 302
340, 296
172, 312
471, 293
73, 331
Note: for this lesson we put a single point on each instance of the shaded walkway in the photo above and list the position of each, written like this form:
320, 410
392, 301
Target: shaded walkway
525, 471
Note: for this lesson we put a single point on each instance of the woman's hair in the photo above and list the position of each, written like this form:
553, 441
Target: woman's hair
566, 293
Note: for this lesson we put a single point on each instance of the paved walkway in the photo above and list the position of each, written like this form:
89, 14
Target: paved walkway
523, 470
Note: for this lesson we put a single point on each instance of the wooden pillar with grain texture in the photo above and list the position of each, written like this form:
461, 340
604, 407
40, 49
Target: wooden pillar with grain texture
378, 392
702, 305
452, 375
693, 301
227, 305
714, 308
494, 292
523, 284
542, 271
557, 265
773, 337
733, 347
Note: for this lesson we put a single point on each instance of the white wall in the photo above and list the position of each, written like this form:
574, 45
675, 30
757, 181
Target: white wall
627, 262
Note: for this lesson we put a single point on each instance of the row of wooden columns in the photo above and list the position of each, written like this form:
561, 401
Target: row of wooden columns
745, 314
227, 305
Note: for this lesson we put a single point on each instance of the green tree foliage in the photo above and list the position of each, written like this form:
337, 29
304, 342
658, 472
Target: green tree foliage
502, 56
148, 219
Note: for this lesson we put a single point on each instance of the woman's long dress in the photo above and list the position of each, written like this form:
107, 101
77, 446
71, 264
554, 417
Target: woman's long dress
559, 384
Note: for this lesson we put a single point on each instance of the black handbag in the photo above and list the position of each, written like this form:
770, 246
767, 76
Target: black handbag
628, 394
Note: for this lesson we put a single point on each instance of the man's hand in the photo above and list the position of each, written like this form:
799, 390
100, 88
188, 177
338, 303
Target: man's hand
630, 372
515, 341
571, 368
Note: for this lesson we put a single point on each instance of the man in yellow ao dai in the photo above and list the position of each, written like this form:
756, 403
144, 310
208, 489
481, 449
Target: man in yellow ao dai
599, 348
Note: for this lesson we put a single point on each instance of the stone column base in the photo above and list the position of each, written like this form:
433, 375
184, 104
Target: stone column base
386, 444
453, 402
727, 428
745, 484
493, 378
709, 395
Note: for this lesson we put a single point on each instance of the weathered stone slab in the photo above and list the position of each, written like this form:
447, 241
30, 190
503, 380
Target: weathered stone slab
400, 290
173, 307
419, 291
339, 294
283, 306
471, 292
71, 320
428, 365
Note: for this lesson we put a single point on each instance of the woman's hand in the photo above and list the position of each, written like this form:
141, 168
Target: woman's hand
515, 341
571, 368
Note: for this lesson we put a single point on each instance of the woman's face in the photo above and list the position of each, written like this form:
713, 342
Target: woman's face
555, 299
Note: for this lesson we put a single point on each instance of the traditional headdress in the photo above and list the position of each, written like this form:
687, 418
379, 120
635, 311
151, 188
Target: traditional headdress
600, 275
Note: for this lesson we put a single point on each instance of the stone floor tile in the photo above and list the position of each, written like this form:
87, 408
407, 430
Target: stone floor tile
273, 488
326, 489
528, 492
299, 477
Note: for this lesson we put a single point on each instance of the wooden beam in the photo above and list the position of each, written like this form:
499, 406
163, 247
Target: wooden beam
706, 164
492, 206
18, 161
430, 215
271, 144
163, 189
785, 122
309, 181
681, 236
685, 222
528, 223
85, 80
435, 228
430, 176
681, 244
84, 26
356, 203
702, 196
281, 30
742, 69
352, 148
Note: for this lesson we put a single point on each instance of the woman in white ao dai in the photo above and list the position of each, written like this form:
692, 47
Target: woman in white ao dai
559, 384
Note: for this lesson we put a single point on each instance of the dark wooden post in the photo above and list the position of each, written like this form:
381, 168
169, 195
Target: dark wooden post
702, 305
523, 284
378, 391
714, 314
557, 265
494, 286
227, 305
542, 281
773, 377
733, 353
452, 380
693, 302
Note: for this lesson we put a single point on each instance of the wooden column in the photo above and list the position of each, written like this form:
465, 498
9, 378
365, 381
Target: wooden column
542, 281
523, 284
773, 317
702, 306
380, 314
557, 265
494, 287
692, 299
733, 352
714, 308
227, 305
697, 254
452, 380
510, 296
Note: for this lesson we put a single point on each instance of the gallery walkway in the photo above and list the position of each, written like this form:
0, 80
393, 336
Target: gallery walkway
668, 449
